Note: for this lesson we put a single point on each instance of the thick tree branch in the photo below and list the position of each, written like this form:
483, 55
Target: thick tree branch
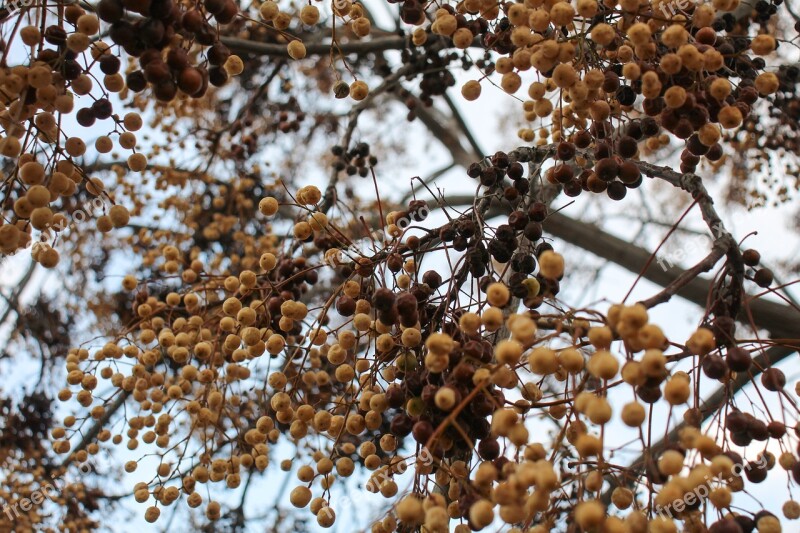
12, 302
374, 45
782, 321
380, 44
442, 129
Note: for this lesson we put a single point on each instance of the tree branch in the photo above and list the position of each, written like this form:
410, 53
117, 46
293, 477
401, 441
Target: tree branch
717, 252
782, 321
280, 50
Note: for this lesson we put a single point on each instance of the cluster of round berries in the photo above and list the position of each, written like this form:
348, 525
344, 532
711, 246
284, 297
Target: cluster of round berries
357, 160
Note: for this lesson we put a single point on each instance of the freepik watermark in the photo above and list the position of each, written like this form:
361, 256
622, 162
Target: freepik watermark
336, 257
700, 493
670, 9
668, 259
424, 459
16, 5
80, 215
47, 491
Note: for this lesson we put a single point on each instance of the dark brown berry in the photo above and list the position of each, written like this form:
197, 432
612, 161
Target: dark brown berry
565, 151
345, 305
713, 366
763, 277
738, 359
773, 379
751, 257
